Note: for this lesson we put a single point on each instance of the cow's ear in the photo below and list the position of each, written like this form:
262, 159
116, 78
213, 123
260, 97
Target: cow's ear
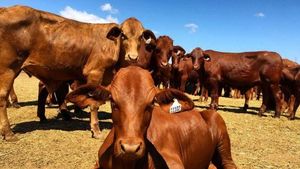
149, 37
206, 57
87, 95
177, 49
165, 98
114, 33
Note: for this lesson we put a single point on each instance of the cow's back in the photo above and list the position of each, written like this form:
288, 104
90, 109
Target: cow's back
55, 47
243, 69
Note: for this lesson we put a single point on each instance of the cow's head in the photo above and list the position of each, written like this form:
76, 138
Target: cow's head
178, 53
137, 44
198, 56
133, 97
163, 51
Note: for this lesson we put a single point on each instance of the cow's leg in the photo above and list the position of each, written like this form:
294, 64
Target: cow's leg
214, 95
95, 121
14, 98
291, 104
60, 95
258, 91
247, 98
278, 98
205, 95
95, 77
227, 91
251, 94
42, 97
7, 76
296, 105
265, 97
183, 81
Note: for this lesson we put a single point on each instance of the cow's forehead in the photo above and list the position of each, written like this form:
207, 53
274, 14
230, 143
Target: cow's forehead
132, 83
197, 52
164, 42
132, 27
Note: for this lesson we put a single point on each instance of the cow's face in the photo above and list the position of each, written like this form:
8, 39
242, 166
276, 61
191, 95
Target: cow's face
177, 54
137, 44
132, 94
198, 57
163, 51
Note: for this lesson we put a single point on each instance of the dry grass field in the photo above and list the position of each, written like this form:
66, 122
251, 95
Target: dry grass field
256, 142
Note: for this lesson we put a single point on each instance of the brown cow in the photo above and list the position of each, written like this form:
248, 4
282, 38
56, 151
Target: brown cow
146, 135
161, 70
242, 71
177, 55
290, 85
58, 49
291, 88
182, 69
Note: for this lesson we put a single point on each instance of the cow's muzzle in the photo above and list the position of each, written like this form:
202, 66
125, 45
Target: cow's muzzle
132, 149
133, 57
196, 67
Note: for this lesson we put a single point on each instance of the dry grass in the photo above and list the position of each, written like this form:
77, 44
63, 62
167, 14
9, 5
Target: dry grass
256, 142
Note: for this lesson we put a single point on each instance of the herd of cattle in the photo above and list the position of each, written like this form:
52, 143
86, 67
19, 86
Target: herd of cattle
124, 64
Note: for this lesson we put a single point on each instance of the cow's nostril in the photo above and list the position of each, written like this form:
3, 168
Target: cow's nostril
138, 148
123, 148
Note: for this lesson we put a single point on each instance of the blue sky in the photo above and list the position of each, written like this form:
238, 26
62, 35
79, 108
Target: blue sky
224, 25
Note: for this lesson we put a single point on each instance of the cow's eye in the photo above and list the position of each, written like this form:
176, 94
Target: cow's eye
157, 51
150, 47
123, 37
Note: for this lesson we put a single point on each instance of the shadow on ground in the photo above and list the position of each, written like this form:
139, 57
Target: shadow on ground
76, 123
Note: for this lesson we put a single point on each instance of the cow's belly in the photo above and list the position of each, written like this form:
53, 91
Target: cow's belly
45, 73
241, 78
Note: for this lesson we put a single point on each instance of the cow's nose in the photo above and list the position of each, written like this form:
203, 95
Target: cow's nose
131, 148
196, 67
164, 63
133, 57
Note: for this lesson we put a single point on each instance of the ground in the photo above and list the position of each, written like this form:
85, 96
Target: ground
257, 142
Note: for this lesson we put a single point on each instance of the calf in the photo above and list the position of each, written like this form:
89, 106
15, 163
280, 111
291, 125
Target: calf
242, 71
146, 135
182, 69
161, 69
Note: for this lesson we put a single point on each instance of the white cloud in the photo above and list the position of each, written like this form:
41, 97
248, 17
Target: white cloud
83, 16
108, 8
260, 15
193, 27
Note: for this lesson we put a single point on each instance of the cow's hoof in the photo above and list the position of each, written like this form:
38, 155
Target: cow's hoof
11, 137
245, 107
96, 135
276, 116
43, 119
291, 118
65, 115
16, 105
